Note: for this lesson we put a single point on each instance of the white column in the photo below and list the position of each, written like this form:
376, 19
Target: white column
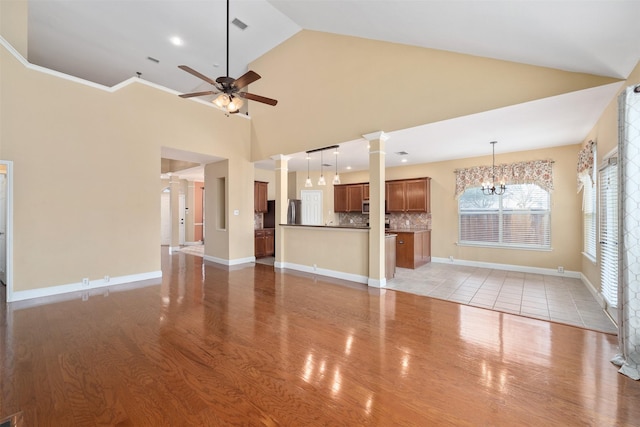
282, 187
174, 194
376, 210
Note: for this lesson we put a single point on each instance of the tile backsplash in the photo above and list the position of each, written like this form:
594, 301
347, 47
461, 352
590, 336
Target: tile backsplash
258, 220
397, 221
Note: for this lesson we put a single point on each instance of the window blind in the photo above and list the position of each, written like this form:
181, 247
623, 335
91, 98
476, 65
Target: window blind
608, 177
518, 218
589, 218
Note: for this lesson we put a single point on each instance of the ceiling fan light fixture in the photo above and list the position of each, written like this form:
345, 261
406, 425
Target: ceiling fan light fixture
222, 100
235, 104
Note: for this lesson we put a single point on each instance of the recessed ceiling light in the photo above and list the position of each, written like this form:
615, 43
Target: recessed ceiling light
348, 167
404, 160
176, 41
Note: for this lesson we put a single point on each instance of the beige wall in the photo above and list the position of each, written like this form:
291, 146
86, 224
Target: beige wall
86, 170
605, 133
332, 88
337, 250
565, 218
14, 15
267, 176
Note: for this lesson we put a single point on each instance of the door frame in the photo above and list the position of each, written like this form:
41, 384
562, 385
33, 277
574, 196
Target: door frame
9, 230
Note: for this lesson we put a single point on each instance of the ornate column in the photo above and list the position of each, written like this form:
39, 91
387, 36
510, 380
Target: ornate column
376, 211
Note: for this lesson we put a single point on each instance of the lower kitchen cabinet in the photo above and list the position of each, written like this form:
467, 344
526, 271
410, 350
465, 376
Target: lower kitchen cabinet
265, 242
413, 248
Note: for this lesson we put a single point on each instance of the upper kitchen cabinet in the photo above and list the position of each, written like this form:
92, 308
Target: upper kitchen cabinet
347, 198
408, 195
365, 191
260, 194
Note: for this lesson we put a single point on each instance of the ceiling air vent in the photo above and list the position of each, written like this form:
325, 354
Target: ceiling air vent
402, 153
238, 23
157, 61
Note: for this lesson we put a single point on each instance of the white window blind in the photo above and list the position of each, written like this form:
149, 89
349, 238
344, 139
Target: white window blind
609, 232
589, 218
518, 218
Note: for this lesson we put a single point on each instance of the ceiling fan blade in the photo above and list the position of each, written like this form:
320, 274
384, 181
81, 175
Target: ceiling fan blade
197, 74
246, 79
258, 98
191, 95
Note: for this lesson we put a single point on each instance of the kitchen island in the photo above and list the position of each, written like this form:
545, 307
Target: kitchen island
335, 251
413, 247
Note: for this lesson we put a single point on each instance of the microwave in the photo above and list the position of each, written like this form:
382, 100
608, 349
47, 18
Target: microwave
366, 207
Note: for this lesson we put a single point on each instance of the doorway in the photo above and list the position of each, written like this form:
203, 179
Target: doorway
6, 227
311, 207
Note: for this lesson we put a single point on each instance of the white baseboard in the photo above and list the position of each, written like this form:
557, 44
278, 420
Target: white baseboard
599, 298
198, 243
236, 261
323, 272
509, 267
377, 283
79, 287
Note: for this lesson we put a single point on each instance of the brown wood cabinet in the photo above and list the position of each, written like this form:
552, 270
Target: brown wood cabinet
408, 195
260, 194
413, 248
365, 191
265, 242
347, 197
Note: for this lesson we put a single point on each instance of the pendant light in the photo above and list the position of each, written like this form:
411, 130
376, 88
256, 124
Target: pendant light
308, 183
336, 178
321, 181
489, 188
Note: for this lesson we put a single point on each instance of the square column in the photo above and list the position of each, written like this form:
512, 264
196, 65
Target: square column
282, 186
377, 156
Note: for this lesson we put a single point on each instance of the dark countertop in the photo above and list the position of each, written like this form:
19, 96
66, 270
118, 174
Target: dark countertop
406, 230
351, 227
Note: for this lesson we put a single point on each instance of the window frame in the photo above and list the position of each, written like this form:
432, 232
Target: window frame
501, 213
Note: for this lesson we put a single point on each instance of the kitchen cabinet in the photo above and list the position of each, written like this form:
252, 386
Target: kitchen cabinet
413, 248
260, 194
264, 242
408, 195
347, 198
365, 191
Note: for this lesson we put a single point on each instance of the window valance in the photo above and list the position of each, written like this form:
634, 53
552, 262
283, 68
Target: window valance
585, 164
534, 172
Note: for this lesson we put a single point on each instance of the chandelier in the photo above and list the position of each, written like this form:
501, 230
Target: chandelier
489, 188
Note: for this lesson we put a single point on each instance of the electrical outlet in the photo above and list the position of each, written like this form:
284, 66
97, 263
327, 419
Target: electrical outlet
560, 269
107, 278
451, 258
85, 281
315, 267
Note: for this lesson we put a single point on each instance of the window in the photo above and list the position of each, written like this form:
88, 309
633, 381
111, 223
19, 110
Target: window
587, 182
589, 219
520, 218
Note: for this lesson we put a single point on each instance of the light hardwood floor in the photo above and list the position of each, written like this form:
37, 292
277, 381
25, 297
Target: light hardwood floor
212, 346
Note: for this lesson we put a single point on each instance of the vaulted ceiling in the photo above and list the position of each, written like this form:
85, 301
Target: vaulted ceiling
108, 41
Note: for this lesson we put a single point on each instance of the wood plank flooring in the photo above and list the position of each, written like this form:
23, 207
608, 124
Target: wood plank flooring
213, 346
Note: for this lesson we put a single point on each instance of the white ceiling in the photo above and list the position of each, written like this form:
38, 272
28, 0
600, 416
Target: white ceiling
108, 41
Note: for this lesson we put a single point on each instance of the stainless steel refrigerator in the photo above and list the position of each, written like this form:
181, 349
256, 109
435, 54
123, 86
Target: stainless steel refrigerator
294, 211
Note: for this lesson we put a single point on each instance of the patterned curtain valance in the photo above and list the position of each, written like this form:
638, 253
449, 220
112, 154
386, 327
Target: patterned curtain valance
585, 164
535, 172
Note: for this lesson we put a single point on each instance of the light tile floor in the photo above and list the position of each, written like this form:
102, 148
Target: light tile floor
559, 299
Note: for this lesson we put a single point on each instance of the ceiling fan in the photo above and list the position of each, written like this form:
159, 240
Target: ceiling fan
228, 88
